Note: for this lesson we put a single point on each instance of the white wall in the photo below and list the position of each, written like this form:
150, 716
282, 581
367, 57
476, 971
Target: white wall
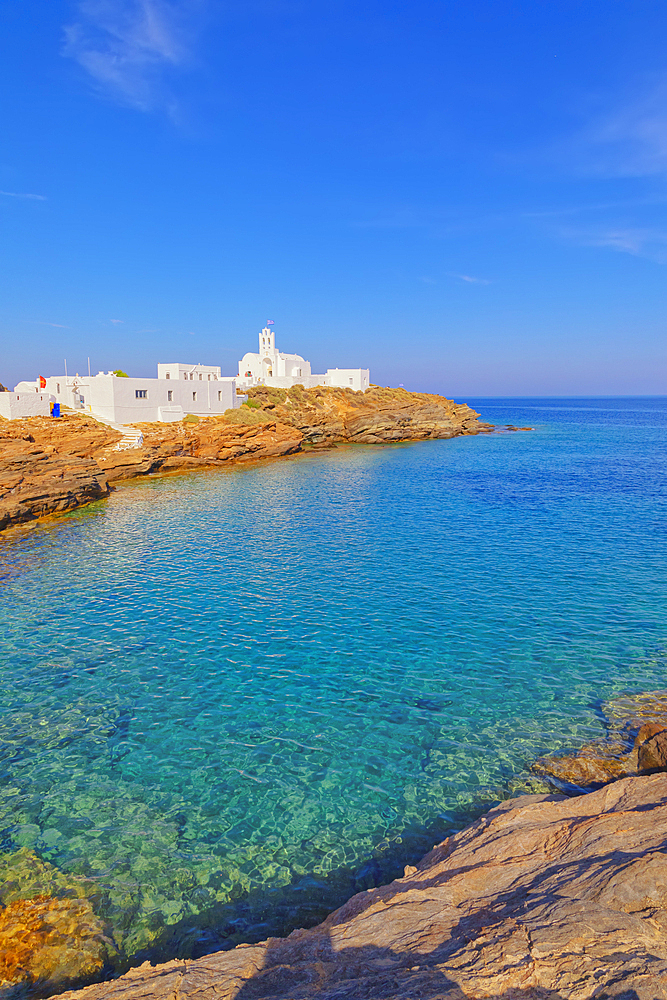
349, 378
189, 373
345, 378
279, 365
115, 398
25, 404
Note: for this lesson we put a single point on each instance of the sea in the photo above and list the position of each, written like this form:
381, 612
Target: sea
231, 699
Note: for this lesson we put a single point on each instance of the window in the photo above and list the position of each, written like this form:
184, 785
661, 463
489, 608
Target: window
194, 397
170, 395
185, 376
200, 376
58, 387
351, 381
141, 394
215, 378
209, 378
167, 375
219, 397
191, 376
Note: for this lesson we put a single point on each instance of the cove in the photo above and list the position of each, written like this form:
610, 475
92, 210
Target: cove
232, 699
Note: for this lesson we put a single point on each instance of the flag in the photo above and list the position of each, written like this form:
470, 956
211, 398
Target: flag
42, 382
269, 322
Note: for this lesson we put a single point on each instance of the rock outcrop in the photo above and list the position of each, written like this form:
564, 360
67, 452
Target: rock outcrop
372, 417
48, 466
241, 436
544, 897
635, 743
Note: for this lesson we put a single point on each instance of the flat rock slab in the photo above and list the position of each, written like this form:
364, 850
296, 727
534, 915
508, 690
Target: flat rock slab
544, 897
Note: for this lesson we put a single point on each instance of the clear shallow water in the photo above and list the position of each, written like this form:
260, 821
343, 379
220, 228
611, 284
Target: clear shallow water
232, 699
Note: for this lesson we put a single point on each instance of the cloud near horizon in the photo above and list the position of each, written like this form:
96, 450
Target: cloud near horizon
128, 46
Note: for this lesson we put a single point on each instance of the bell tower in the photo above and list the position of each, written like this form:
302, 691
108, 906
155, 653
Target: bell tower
266, 340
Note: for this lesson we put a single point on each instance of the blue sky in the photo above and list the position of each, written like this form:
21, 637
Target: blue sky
469, 198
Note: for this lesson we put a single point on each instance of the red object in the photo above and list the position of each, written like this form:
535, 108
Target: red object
42, 382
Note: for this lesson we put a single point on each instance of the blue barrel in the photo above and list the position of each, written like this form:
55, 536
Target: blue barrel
55, 409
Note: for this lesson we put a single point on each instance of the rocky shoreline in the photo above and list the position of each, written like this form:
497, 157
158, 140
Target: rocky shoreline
545, 896
51, 466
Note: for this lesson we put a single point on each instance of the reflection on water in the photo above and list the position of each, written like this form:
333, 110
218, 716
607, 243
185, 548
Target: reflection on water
232, 699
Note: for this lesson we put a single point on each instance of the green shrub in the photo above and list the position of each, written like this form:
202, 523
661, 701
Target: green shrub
120, 374
246, 415
253, 404
191, 418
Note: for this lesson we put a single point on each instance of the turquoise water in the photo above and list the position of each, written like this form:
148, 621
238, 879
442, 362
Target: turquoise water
232, 699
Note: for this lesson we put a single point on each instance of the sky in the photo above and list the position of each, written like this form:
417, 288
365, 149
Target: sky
466, 197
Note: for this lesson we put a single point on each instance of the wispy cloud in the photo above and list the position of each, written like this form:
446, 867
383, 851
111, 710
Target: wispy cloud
18, 194
129, 46
634, 138
60, 326
117, 321
470, 279
640, 242
628, 138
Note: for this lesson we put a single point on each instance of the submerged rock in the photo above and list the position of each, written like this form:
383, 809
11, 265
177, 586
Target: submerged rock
636, 743
544, 897
50, 941
49, 932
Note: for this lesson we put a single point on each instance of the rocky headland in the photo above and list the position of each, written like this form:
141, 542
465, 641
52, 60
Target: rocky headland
49, 466
545, 896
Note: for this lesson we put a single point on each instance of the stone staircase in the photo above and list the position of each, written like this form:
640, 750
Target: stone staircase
132, 438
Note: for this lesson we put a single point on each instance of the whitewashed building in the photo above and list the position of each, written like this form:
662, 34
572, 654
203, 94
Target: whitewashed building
178, 390
269, 366
25, 402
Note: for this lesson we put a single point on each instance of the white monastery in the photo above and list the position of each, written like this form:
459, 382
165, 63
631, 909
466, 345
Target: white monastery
177, 391
271, 367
